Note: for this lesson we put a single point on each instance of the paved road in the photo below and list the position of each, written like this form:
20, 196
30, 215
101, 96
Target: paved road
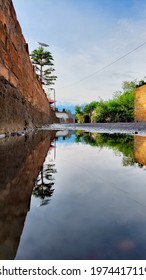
130, 128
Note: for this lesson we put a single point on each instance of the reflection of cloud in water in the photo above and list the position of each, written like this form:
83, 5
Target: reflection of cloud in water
97, 208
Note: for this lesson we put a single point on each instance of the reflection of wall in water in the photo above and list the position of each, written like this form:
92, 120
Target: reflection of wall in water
140, 149
21, 159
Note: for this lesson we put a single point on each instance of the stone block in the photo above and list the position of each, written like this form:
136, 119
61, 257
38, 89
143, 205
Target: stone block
13, 79
4, 71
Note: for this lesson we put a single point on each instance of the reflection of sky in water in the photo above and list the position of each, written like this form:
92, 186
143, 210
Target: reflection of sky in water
97, 211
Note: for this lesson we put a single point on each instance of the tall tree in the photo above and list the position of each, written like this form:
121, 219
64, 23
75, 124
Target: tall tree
129, 85
43, 62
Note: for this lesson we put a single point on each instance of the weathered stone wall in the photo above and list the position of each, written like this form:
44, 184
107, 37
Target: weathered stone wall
140, 104
23, 102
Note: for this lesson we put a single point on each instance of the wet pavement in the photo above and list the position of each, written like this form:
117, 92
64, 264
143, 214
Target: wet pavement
130, 128
70, 194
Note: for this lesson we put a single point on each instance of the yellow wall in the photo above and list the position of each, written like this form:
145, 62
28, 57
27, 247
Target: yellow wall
140, 104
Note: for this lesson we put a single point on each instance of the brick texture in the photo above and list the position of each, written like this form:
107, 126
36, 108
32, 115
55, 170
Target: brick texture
16, 69
140, 104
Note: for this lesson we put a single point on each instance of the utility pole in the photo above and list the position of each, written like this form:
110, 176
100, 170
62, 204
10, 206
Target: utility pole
54, 98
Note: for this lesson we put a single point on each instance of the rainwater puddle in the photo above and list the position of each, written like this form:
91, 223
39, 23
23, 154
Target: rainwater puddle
73, 195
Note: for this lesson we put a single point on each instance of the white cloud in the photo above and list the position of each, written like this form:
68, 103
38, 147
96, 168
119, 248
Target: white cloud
83, 40
75, 66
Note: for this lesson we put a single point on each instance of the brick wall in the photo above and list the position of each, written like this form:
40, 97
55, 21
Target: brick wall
23, 103
140, 104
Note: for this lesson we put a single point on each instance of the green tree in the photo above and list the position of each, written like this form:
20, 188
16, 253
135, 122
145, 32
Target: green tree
102, 111
79, 113
43, 62
129, 85
118, 109
44, 184
78, 109
89, 108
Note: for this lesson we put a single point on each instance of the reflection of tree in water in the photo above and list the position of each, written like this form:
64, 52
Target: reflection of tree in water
44, 183
120, 143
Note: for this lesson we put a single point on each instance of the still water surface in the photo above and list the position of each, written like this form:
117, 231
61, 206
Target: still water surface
89, 199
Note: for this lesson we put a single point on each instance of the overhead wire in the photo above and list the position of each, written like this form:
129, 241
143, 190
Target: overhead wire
103, 68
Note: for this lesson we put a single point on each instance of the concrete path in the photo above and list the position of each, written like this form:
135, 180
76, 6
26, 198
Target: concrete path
128, 128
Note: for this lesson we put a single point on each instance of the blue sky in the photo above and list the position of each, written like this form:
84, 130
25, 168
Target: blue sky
84, 36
